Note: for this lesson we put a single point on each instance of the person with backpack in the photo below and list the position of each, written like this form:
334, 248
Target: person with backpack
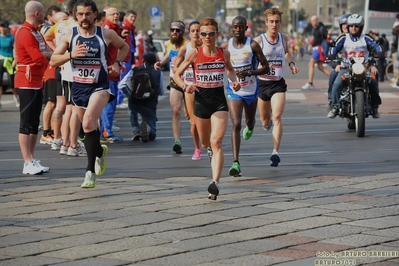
142, 85
320, 51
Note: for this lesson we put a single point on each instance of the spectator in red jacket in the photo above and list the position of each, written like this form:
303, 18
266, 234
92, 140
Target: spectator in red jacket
32, 54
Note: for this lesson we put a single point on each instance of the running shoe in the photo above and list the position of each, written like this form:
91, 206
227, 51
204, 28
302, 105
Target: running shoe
308, 86
145, 135
247, 133
64, 150
274, 159
333, 112
31, 169
100, 164
56, 145
197, 155
209, 152
136, 135
78, 151
90, 180
213, 190
44, 169
177, 147
235, 170
113, 140
115, 128
269, 126
46, 139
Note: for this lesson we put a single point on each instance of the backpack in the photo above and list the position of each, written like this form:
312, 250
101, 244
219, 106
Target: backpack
324, 44
141, 83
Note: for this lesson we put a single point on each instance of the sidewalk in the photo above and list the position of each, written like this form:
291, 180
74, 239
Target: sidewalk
255, 221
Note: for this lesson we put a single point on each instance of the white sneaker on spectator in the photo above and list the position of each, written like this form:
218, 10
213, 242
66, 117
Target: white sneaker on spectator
56, 145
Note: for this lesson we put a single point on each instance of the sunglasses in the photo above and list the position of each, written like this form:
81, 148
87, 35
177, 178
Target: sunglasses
175, 30
356, 26
210, 34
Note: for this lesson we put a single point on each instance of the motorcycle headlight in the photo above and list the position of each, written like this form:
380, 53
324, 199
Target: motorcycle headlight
358, 69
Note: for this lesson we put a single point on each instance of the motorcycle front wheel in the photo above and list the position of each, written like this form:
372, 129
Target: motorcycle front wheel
360, 119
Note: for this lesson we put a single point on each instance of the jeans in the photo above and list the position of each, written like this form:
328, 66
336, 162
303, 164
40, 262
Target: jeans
338, 86
148, 115
108, 113
331, 80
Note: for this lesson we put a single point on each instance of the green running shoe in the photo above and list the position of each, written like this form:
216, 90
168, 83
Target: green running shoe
90, 180
100, 164
247, 133
177, 147
235, 170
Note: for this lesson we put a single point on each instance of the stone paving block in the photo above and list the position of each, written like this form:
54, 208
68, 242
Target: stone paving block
29, 249
301, 262
248, 222
16, 204
291, 238
144, 229
214, 229
4, 257
289, 205
186, 178
47, 223
248, 260
321, 247
321, 200
84, 228
31, 261
354, 197
197, 257
81, 240
377, 202
148, 208
201, 242
380, 223
60, 198
359, 240
382, 232
92, 250
26, 237
258, 232
144, 253
104, 215
199, 209
241, 212
146, 218
177, 235
201, 219
394, 244
96, 262
343, 206
384, 191
375, 184
45, 215
366, 213
289, 215
10, 230
290, 253
332, 231
260, 245
312, 222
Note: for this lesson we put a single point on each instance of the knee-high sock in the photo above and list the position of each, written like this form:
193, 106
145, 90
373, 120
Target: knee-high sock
93, 148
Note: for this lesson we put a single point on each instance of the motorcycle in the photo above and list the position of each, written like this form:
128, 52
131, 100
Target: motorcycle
355, 99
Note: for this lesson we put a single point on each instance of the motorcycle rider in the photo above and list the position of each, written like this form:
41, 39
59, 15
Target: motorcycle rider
343, 26
355, 43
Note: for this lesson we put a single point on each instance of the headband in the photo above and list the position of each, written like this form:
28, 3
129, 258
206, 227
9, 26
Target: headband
178, 24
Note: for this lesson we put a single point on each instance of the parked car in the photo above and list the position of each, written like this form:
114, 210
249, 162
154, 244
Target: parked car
161, 50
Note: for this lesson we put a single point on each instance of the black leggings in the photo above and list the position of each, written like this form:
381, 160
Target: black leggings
30, 108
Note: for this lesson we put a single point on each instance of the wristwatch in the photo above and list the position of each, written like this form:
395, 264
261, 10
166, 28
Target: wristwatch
249, 73
118, 62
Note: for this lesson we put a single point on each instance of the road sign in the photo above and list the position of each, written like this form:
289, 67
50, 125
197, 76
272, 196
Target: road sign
155, 17
155, 11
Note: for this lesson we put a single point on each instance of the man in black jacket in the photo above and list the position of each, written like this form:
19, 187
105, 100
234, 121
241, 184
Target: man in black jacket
145, 107
319, 35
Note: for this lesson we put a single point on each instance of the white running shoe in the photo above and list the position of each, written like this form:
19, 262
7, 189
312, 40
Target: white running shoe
44, 169
31, 168
90, 180
308, 86
56, 145
64, 150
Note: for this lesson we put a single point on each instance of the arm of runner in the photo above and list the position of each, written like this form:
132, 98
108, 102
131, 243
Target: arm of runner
265, 69
60, 55
49, 37
190, 59
230, 71
179, 58
224, 45
288, 57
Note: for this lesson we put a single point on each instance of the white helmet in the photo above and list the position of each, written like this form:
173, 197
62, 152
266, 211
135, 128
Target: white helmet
150, 32
356, 19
